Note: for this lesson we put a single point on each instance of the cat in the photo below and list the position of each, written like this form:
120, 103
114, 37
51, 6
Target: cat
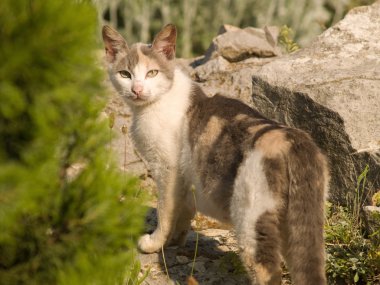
268, 180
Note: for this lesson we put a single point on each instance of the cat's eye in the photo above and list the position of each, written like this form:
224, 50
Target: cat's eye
152, 73
125, 74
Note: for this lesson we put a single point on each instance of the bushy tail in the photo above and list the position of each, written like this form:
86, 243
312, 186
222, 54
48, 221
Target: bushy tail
304, 250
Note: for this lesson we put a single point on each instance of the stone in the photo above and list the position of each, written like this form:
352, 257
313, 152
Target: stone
235, 44
227, 28
182, 259
372, 215
231, 79
224, 248
199, 266
243, 43
332, 90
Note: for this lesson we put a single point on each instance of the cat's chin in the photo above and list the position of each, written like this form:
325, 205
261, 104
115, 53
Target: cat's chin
138, 101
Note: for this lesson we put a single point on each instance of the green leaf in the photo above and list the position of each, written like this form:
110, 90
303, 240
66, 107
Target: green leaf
356, 277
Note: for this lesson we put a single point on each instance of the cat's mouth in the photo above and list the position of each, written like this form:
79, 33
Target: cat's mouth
138, 99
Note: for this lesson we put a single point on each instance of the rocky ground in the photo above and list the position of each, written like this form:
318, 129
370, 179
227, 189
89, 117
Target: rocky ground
216, 260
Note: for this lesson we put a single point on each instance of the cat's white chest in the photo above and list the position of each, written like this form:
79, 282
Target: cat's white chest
158, 129
154, 135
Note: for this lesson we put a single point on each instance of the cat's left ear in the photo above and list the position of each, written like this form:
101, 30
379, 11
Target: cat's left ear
165, 41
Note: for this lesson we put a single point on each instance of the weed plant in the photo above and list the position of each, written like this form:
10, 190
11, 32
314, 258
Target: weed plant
353, 254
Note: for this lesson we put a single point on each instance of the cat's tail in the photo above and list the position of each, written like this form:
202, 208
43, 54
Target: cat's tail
308, 177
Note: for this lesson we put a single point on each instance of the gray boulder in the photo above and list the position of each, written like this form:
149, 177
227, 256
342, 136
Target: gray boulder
330, 89
235, 44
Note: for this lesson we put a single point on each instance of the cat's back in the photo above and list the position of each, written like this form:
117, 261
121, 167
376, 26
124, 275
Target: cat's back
224, 123
228, 125
223, 132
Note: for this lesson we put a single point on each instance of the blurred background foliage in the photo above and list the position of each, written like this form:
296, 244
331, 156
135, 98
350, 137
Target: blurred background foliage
199, 21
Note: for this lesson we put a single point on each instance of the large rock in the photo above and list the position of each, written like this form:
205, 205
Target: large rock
235, 44
233, 57
330, 89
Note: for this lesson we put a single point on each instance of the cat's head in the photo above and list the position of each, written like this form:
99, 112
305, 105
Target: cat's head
141, 73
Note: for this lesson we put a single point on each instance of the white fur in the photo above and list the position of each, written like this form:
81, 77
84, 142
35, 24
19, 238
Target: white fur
157, 128
251, 198
157, 131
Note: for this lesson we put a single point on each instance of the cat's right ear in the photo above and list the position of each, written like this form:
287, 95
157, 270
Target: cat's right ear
114, 43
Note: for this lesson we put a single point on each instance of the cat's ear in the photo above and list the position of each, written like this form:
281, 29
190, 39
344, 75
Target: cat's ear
165, 41
114, 43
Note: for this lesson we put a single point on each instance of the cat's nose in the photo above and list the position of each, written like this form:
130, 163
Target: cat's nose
137, 89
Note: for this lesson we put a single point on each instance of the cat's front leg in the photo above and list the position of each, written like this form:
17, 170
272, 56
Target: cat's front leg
185, 215
170, 196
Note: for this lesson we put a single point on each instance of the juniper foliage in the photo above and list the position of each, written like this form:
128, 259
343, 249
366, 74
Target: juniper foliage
56, 226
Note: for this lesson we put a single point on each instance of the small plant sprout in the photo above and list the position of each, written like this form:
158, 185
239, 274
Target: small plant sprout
124, 130
286, 39
165, 265
134, 277
111, 123
111, 120
197, 235
359, 194
376, 199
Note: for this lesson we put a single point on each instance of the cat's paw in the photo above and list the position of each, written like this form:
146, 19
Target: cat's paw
147, 244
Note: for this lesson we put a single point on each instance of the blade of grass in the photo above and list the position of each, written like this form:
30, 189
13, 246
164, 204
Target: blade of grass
197, 235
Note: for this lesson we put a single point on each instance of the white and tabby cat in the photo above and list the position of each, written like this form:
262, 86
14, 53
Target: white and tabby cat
268, 180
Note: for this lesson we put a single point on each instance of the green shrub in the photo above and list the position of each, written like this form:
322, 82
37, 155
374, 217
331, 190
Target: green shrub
353, 254
58, 226
351, 258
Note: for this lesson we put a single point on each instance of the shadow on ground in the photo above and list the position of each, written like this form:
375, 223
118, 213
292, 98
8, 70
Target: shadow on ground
216, 262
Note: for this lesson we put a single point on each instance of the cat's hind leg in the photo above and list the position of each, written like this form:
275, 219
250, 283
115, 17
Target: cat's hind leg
260, 249
254, 213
